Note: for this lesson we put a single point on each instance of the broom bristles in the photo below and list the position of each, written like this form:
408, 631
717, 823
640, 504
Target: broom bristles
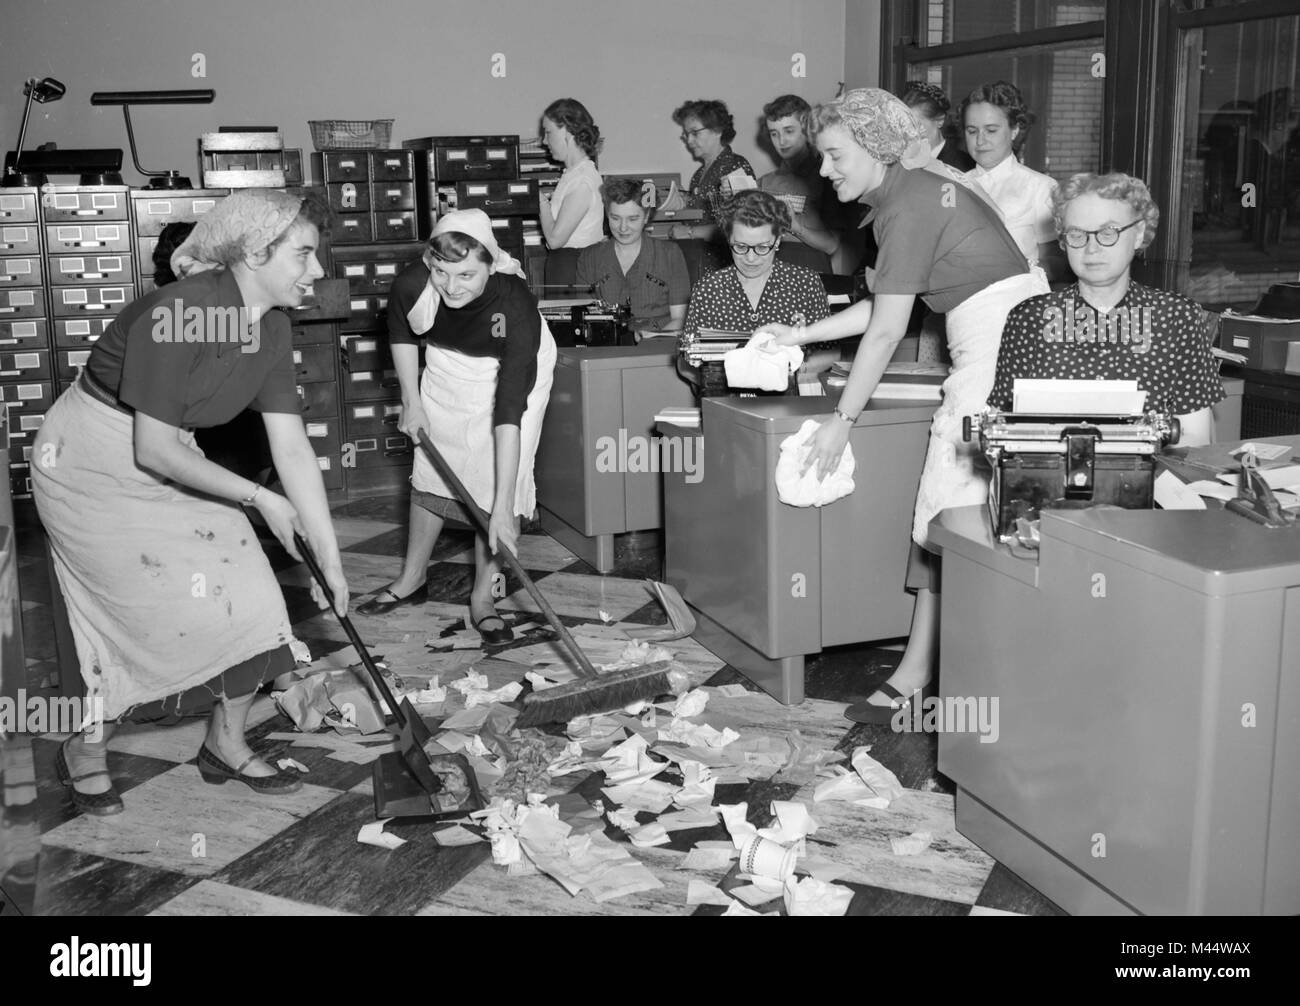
602, 694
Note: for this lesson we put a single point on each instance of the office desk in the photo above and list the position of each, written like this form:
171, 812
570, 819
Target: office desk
604, 392
1147, 672
771, 583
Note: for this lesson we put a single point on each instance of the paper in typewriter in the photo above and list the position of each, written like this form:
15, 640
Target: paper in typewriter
1038, 397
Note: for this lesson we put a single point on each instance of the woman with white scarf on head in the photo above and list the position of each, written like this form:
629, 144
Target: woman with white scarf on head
940, 241
489, 359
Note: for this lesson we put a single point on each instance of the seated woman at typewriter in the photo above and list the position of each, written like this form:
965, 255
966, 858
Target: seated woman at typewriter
630, 267
1105, 326
488, 359
942, 241
757, 290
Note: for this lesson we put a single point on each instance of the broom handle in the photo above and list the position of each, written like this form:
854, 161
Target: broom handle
319, 576
463, 494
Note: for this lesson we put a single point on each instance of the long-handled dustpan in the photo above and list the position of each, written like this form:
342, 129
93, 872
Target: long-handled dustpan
593, 692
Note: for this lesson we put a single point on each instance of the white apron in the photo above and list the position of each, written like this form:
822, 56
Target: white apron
954, 475
458, 393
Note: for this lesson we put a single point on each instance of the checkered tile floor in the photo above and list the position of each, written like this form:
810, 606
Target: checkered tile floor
183, 847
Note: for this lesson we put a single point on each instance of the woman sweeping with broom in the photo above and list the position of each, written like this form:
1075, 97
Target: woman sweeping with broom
487, 379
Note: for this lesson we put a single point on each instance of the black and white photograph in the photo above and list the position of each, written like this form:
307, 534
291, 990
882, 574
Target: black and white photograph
728, 457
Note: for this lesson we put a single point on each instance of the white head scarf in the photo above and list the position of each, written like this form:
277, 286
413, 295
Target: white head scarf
471, 223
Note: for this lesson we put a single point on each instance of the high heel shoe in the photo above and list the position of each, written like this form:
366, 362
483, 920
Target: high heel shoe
376, 606
217, 773
102, 804
495, 637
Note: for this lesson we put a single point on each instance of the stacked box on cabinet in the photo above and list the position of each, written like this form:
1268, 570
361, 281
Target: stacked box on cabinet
26, 368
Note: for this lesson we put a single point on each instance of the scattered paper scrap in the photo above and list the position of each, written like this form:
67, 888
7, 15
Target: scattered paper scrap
913, 845
753, 895
653, 795
691, 704
704, 859
539, 683
738, 909
700, 893
810, 896
649, 835
456, 835
623, 818
286, 763
431, 694
684, 820
733, 691
374, 834
605, 617
873, 785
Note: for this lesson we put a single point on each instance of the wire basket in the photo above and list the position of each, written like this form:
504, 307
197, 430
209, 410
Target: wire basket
351, 134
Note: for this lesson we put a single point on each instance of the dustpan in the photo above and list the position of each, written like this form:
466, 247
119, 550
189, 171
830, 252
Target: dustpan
408, 782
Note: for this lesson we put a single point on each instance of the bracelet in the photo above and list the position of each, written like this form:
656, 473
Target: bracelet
248, 500
848, 419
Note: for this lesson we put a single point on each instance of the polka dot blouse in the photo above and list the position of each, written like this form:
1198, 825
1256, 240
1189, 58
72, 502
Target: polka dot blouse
1156, 338
792, 295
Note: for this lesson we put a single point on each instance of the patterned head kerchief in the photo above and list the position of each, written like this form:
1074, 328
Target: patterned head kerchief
883, 126
242, 224
475, 224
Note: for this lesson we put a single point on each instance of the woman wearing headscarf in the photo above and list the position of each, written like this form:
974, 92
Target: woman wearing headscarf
173, 606
488, 361
940, 241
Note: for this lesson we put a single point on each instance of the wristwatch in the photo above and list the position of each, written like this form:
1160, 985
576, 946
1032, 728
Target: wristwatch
847, 418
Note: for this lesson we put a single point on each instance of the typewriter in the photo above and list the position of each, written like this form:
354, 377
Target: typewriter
1053, 461
577, 318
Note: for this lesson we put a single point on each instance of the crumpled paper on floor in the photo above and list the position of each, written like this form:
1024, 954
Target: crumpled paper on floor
503, 820
733, 816
539, 683
913, 845
685, 820
596, 733
652, 795
809, 896
698, 786
709, 856
806, 760
623, 818
474, 687
630, 762
700, 893
578, 862
374, 834
690, 704
793, 822
738, 909
326, 693
649, 835
869, 785
759, 891
456, 835
684, 732
431, 694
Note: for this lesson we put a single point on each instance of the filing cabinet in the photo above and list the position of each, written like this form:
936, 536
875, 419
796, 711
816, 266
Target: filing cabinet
517, 197
376, 194
20, 239
468, 158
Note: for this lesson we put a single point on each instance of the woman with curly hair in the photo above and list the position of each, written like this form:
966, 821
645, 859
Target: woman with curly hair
707, 130
996, 121
931, 106
571, 216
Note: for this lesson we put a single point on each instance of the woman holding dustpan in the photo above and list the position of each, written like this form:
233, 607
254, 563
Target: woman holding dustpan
487, 379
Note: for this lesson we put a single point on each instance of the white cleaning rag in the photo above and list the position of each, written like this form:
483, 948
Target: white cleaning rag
753, 367
808, 491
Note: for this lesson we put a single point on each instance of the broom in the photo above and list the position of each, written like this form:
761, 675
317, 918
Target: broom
593, 692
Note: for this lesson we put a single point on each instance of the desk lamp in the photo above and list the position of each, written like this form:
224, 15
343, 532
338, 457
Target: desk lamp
157, 179
44, 90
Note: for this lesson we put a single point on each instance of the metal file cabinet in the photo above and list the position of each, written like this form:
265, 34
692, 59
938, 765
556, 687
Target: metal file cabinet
603, 392
1147, 671
769, 582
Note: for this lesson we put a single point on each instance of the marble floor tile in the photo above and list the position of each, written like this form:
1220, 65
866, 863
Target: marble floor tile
981, 910
74, 882
179, 743
1005, 893
177, 822
584, 596
952, 869
209, 898
351, 531
603, 644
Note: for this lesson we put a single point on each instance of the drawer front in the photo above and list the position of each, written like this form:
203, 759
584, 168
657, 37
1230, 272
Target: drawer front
331, 471
69, 362
395, 225
20, 239
342, 166
371, 419
62, 238
233, 160
325, 437
392, 165
312, 335
21, 302
501, 198
366, 352
353, 229
153, 213
373, 270
23, 424
392, 196
73, 333
83, 206
20, 481
313, 363
72, 270
509, 231
369, 385
348, 197
34, 397
318, 399
30, 331
367, 313
475, 162
287, 161
75, 301
20, 271
382, 451
17, 207
25, 365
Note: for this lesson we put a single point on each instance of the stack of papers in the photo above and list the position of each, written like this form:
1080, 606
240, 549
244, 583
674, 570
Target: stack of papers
1077, 398
679, 415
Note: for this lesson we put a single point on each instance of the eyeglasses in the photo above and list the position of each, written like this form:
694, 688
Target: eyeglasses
1077, 238
688, 133
765, 248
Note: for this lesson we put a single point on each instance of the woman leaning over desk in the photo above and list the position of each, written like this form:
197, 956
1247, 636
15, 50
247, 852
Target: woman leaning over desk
174, 608
488, 362
1106, 326
943, 242
632, 267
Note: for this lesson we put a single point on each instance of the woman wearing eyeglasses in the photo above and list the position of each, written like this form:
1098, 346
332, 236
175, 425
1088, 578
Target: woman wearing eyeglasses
756, 290
707, 130
1105, 326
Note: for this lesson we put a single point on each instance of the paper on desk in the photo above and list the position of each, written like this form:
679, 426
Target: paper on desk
810, 896
913, 845
374, 834
652, 795
700, 893
1077, 398
1214, 489
1263, 452
1277, 478
1171, 493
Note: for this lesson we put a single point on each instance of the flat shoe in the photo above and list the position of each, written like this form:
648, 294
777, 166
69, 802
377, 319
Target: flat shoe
217, 773
101, 804
495, 637
376, 606
868, 712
